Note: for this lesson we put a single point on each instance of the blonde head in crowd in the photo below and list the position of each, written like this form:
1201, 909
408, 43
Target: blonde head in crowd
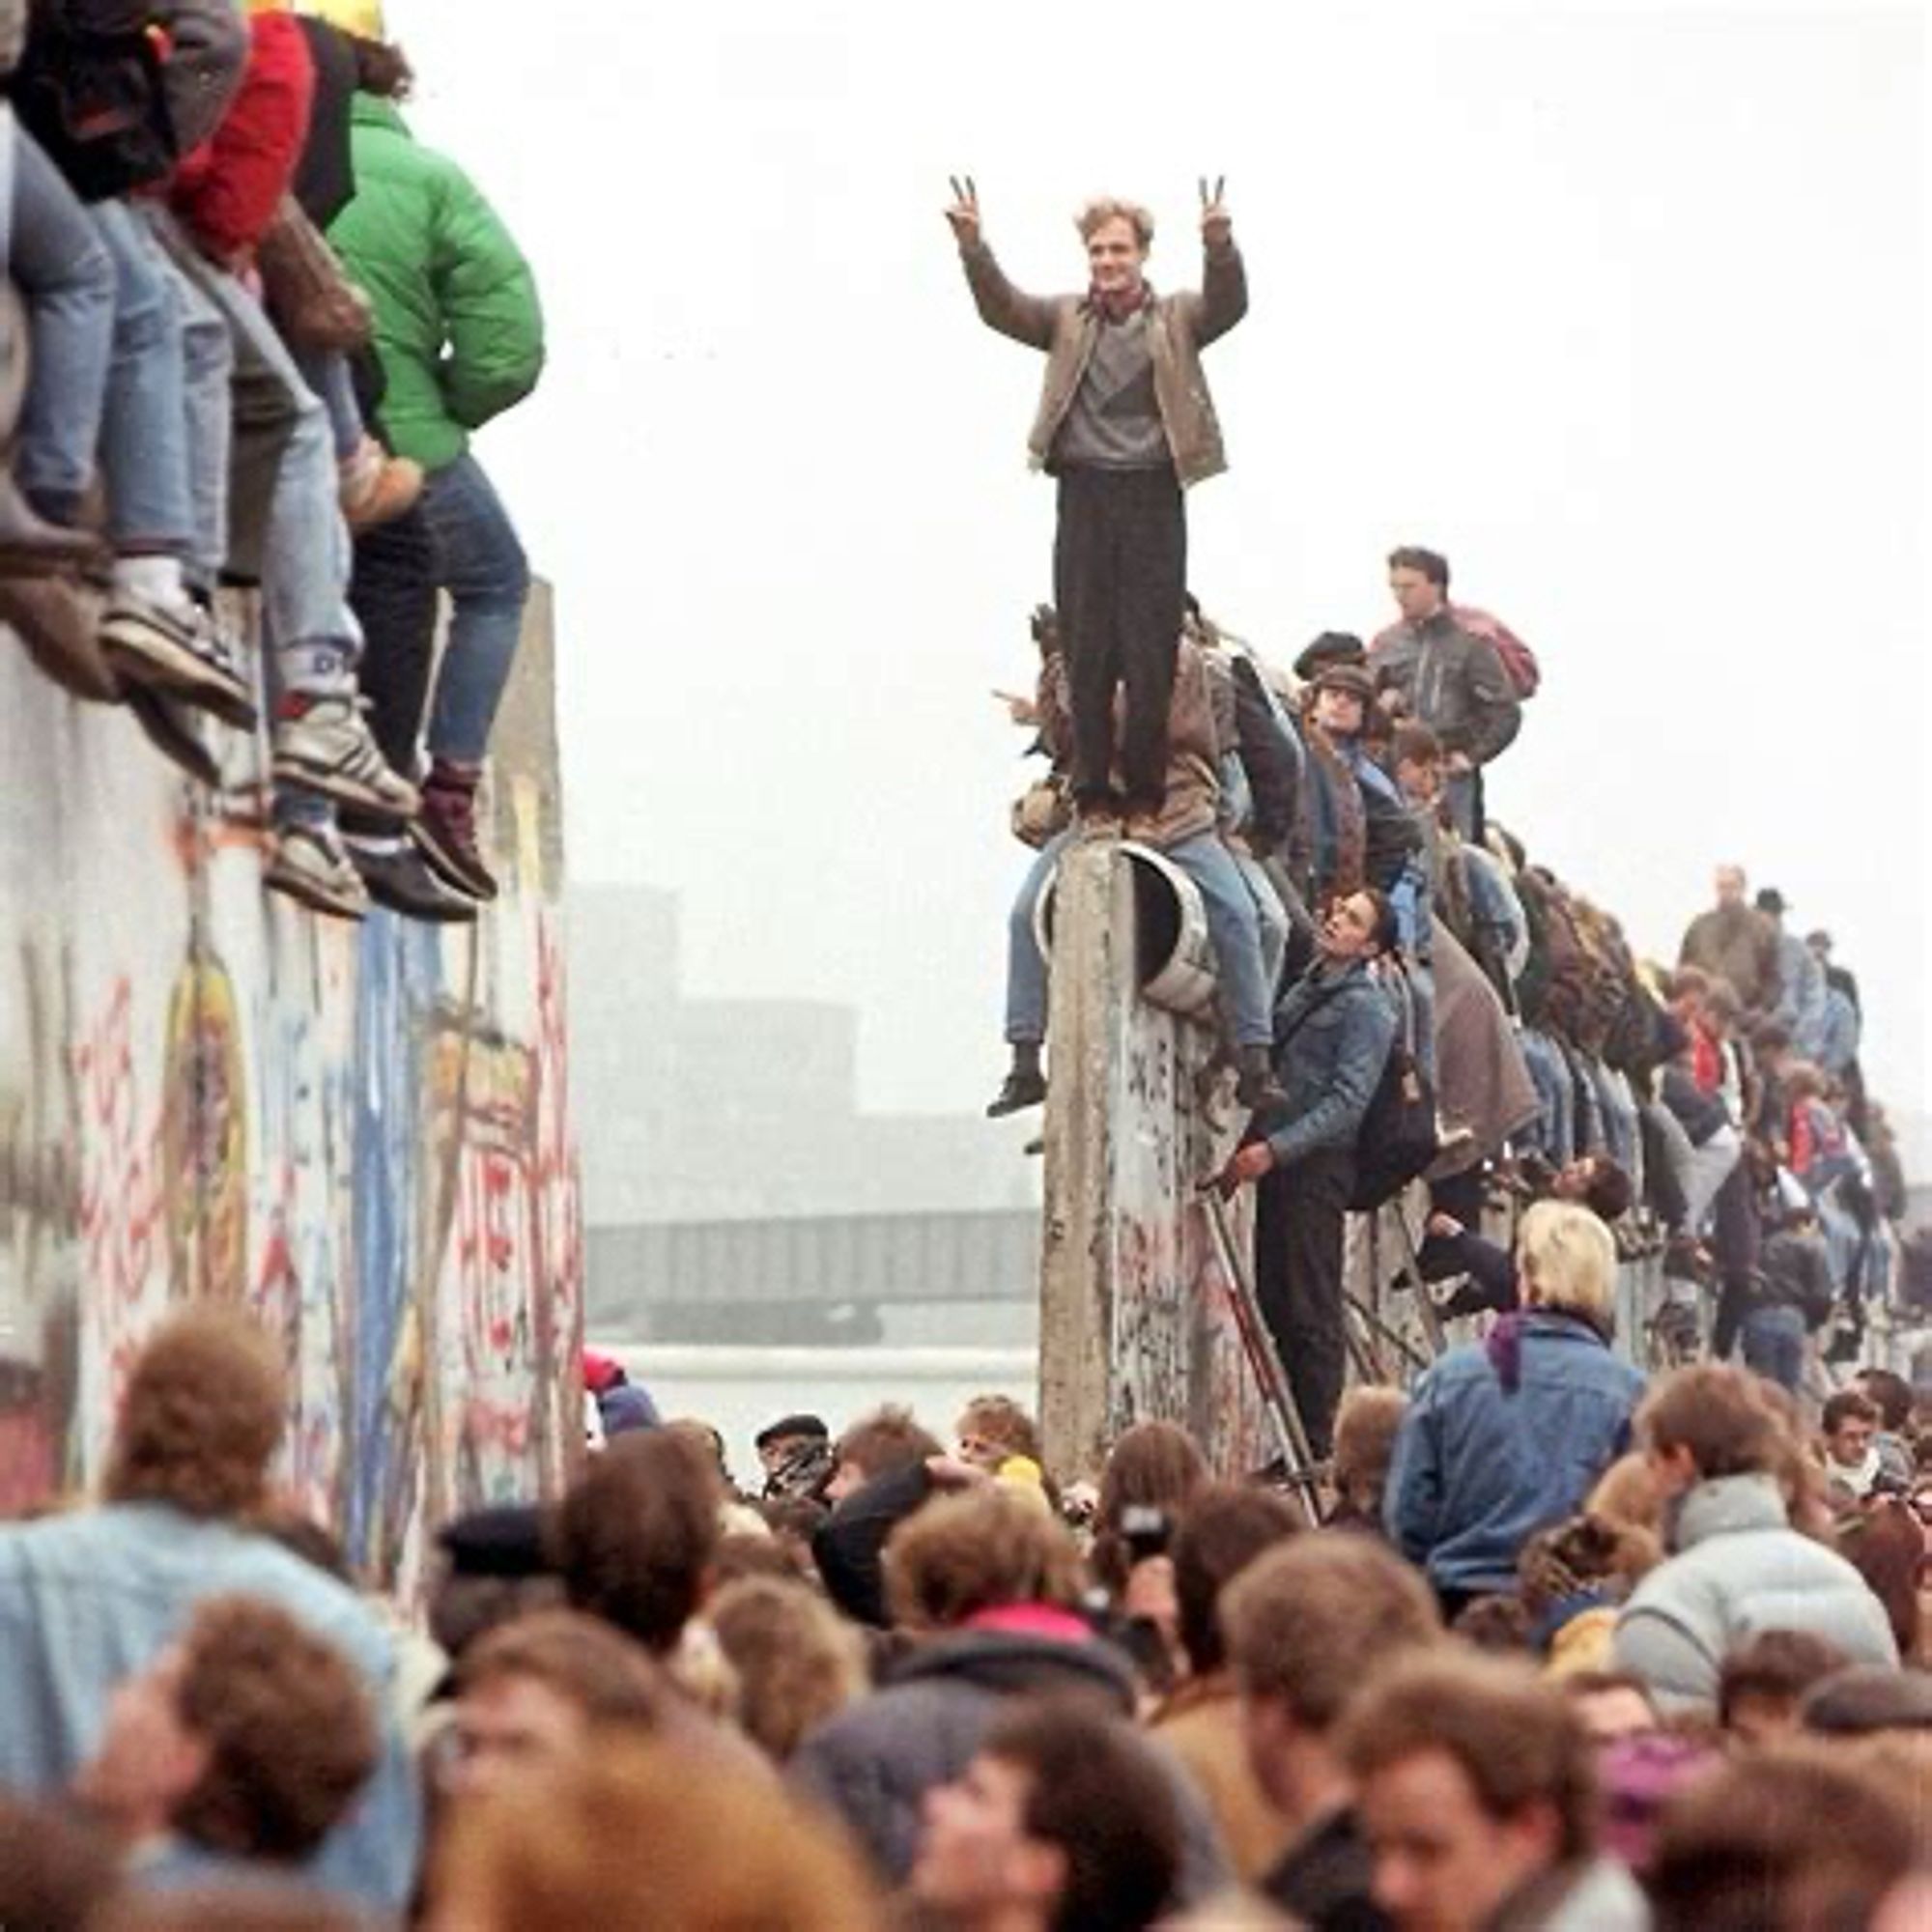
361, 18
1569, 1261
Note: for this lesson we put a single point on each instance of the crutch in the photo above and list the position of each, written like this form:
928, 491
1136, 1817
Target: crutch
1258, 1345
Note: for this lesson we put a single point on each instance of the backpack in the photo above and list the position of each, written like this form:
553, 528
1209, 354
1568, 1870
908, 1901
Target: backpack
1397, 1138
1519, 665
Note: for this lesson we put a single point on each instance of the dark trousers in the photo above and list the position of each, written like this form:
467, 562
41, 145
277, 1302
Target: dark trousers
393, 595
1299, 1221
1120, 572
1734, 1246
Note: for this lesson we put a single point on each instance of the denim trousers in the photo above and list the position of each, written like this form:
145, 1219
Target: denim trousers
66, 276
1270, 916
1550, 1075
285, 514
1773, 1346
327, 373
480, 563
144, 458
1233, 926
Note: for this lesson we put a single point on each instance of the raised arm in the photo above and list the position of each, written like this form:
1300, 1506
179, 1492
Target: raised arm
1224, 280
1026, 319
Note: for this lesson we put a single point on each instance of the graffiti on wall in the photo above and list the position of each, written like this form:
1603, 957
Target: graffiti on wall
359, 1135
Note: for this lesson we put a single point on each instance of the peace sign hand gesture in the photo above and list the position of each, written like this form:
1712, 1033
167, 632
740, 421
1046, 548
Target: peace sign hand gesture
964, 214
1216, 223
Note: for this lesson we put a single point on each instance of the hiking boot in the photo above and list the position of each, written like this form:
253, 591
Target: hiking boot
378, 488
1258, 1090
57, 627
1018, 1092
32, 547
309, 864
400, 878
323, 745
171, 730
446, 831
179, 649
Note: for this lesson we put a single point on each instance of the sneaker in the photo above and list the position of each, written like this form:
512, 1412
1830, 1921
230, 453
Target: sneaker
445, 831
377, 488
324, 745
401, 878
171, 730
182, 650
309, 864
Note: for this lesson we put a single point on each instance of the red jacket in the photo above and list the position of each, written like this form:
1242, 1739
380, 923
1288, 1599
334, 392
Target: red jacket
228, 189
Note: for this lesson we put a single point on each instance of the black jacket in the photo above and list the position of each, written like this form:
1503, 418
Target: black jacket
875, 1761
324, 181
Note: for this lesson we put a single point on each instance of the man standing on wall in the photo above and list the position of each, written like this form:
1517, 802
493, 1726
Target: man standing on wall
1126, 424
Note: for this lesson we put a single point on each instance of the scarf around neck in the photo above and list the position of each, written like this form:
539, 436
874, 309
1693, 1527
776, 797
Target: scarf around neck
1118, 305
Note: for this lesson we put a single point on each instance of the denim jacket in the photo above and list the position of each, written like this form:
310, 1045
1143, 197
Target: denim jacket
1480, 1468
86, 1600
1333, 1032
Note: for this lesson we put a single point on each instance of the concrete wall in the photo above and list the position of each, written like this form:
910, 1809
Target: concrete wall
362, 1134
1134, 1315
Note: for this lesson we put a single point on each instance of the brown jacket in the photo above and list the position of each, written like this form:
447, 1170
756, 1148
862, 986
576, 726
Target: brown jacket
1181, 327
1194, 747
1200, 1723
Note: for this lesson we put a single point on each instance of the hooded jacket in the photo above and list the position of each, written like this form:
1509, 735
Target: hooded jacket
1065, 327
875, 1761
458, 327
1739, 1568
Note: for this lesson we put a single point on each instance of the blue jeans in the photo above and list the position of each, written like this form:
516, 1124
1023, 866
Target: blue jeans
208, 365
285, 512
1025, 967
1774, 1345
1270, 916
66, 276
327, 373
1235, 930
144, 428
481, 564
1550, 1075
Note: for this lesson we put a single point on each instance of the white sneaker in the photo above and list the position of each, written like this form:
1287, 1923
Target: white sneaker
181, 650
310, 865
324, 745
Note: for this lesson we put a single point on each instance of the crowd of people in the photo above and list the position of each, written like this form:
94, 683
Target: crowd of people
1403, 991
263, 324
1553, 1649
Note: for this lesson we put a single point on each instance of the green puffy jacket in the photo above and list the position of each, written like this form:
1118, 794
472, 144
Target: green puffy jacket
457, 322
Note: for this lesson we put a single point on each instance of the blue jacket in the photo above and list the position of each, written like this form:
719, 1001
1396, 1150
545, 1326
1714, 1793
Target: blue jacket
1332, 1037
87, 1599
1480, 1468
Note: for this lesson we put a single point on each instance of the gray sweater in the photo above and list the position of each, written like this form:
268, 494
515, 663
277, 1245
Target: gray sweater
1114, 422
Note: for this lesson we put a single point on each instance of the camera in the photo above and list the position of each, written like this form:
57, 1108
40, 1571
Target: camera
1145, 1531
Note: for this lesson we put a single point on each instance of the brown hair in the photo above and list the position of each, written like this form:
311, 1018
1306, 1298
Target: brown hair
56, 1867
726, 1850
1516, 1738
1095, 1790
1222, 1530
1153, 1466
796, 1660
1847, 1406
889, 1439
636, 1532
1717, 1414
381, 70
1775, 1663
1884, 1545
1107, 208
202, 1417
1415, 744
1305, 1623
605, 1675
962, 1554
1792, 1836
289, 1725
1003, 1422
230, 1907
1366, 1427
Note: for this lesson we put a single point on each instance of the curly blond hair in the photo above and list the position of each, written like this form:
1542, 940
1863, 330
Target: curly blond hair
1106, 208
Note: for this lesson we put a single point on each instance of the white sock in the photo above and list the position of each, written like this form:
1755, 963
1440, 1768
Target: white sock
157, 578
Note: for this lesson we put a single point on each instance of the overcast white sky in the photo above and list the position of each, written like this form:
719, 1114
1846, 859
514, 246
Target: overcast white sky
1623, 308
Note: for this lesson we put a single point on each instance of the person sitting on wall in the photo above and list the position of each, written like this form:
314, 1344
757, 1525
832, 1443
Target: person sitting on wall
1334, 1032
1184, 828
